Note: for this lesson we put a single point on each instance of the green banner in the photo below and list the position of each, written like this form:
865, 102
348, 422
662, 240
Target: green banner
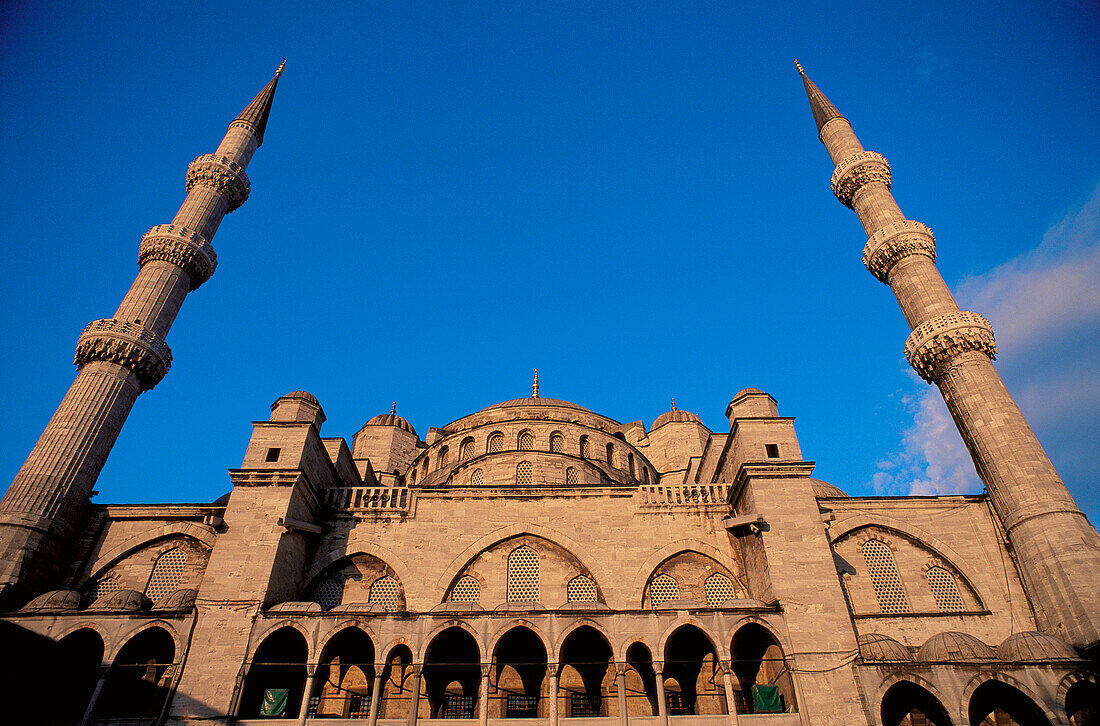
274, 702
765, 699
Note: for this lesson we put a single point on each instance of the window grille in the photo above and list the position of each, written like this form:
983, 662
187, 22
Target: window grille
611, 454
386, 591
443, 453
884, 577
570, 477
663, 588
520, 706
329, 593
523, 575
103, 587
945, 589
467, 450
584, 705
456, 706
557, 443
524, 476
467, 589
718, 589
477, 478
526, 441
167, 573
496, 442
580, 589
586, 448
358, 706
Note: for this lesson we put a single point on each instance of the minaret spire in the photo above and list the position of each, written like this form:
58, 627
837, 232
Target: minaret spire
535, 385
118, 359
1057, 550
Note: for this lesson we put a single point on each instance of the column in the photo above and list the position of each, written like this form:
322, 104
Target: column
483, 695
95, 695
414, 702
375, 697
552, 669
727, 686
620, 682
311, 683
662, 703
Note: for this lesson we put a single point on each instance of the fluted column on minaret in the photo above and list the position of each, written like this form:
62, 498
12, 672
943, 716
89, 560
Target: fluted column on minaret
1057, 550
118, 359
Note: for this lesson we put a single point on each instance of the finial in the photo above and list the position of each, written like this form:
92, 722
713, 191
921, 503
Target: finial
393, 408
279, 70
674, 404
535, 385
799, 67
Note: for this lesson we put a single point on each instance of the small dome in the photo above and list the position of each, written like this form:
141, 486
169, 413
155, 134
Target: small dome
177, 600
295, 606
391, 419
125, 600
55, 600
1030, 645
746, 391
875, 646
954, 646
674, 415
304, 395
825, 489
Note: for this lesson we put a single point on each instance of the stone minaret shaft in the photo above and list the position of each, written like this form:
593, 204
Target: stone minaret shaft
118, 359
1057, 550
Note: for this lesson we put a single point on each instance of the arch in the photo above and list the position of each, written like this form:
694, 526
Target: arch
452, 656
422, 656
345, 675
581, 589
944, 588
690, 660
762, 676
263, 634
565, 632
143, 539
676, 548
501, 631
586, 673
904, 698
275, 681
442, 457
75, 659
611, 455
340, 627
167, 573
641, 680
361, 544
494, 443
466, 449
397, 682
525, 441
387, 592
885, 577
519, 664
1081, 699
168, 627
524, 474
584, 447
687, 621
661, 589
140, 675
986, 694
571, 478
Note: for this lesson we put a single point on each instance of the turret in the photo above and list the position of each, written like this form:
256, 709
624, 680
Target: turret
118, 359
1057, 550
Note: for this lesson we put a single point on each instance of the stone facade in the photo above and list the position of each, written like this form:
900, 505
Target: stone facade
537, 560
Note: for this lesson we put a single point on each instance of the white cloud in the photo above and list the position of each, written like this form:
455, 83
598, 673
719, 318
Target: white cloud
1045, 309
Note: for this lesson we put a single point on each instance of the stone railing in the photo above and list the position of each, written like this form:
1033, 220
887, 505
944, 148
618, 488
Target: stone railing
689, 495
387, 499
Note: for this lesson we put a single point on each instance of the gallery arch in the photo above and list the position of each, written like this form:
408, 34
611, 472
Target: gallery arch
908, 704
641, 682
138, 681
586, 681
452, 674
692, 680
996, 703
763, 682
345, 676
518, 675
276, 677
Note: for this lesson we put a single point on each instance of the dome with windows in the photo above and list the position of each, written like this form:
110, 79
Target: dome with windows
876, 646
952, 646
1031, 645
55, 600
123, 601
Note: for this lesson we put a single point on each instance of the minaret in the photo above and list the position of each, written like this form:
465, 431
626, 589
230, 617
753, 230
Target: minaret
1057, 550
118, 359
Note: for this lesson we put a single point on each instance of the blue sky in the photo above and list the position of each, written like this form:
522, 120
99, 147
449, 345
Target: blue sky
629, 196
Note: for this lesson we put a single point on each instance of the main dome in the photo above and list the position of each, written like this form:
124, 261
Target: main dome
532, 401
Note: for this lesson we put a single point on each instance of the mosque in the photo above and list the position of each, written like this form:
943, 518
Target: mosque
539, 562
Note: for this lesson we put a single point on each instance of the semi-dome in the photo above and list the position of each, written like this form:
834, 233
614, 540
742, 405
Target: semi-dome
55, 600
876, 646
824, 489
177, 600
391, 419
954, 646
122, 600
1030, 645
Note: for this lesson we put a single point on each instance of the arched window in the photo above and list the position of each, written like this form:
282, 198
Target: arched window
586, 448
467, 589
424, 469
557, 443
630, 464
466, 451
645, 475
884, 576
663, 588
718, 589
167, 573
523, 474
523, 575
386, 591
611, 454
477, 478
443, 453
945, 589
496, 442
328, 593
580, 589
526, 441
570, 477
412, 475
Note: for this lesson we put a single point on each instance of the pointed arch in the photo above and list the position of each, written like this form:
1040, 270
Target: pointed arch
672, 549
148, 537
361, 544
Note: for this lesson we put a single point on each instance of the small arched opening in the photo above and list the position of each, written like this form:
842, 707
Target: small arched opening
276, 677
586, 683
75, 661
452, 675
907, 704
692, 681
138, 681
995, 703
641, 682
345, 677
763, 679
397, 684
518, 675
1083, 703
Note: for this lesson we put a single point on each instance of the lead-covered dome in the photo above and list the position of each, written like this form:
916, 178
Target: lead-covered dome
674, 415
823, 489
1030, 645
954, 646
177, 600
123, 600
304, 395
55, 600
876, 646
391, 419
534, 401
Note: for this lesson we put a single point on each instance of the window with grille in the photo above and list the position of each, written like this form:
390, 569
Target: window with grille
663, 588
443, 454
329, 593
167, 574
523, 575
358, 706
517, 705
103, 587
611, 454
570, 477
467, 589
584, 704
526, 441
477, 478
945, 589
586, 448
718, 589
496, 443
524, 477
466, 451
580, 589
884, 577
557, 443
386, 591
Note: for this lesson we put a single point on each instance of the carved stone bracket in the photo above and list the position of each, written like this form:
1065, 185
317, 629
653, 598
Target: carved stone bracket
857, 170
222, 175
895, 241
127, 344
936, 341
183, 248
